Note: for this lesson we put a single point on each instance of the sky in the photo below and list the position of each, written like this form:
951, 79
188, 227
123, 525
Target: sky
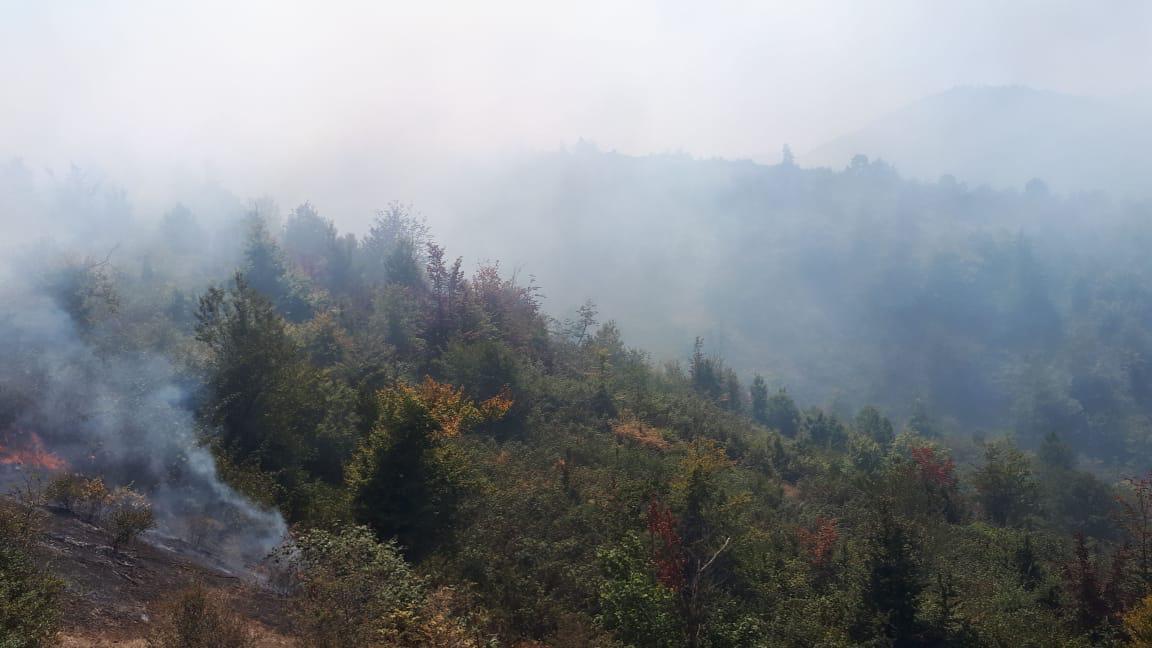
355, 99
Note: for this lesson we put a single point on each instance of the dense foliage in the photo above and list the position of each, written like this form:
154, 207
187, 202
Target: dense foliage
460, 467
29, 597
993, 309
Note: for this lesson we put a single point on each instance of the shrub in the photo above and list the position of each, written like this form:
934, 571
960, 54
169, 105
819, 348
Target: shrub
84, 496
127, 515
64, 489
199, 618
351, 590
1138, 624
29, 598
633, 603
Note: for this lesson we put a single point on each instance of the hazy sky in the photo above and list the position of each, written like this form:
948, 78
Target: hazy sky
272, 95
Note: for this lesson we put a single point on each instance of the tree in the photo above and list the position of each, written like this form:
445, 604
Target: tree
449, 293
180, 232
759, 397
871, 423
252, 360
922, 422
787, 160
83, 290
1055, 456
394, 246
824, 430
349, 589
403, 478
887, 607
1138, 624
277, 417
1005, 486
30, 597
701, 543
267, 273
733, 398
705, 372
1086, 589
1136, 522
633, 603
782, 414
585, 321
314, 248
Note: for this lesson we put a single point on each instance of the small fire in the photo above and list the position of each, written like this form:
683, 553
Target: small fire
26, 449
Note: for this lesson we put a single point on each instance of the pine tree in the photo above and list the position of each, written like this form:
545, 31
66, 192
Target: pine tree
759, 397
887, 608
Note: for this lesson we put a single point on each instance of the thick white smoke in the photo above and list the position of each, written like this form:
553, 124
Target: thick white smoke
120, 413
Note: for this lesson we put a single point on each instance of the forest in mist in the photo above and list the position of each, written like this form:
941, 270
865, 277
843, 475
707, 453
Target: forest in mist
1014, 309
575, 325
990, 310
701, 402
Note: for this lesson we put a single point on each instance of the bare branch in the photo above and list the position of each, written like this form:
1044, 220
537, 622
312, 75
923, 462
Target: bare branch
716, 555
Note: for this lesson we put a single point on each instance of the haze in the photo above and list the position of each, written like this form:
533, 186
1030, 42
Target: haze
646, 324
349, 105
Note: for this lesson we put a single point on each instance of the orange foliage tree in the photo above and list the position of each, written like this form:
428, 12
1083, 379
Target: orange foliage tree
404, 477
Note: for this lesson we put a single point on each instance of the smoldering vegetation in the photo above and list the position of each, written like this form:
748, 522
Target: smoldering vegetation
92, 382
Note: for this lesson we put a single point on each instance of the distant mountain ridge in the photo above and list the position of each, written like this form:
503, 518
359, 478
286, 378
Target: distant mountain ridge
1006, 135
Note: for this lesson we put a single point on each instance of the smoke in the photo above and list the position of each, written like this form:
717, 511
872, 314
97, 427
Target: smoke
109, 409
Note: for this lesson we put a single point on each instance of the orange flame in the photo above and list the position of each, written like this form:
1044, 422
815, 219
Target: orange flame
28, 451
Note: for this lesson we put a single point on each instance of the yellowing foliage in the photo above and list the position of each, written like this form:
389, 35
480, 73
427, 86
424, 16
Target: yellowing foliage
448, 406
637, 431
707, 456
1138, 624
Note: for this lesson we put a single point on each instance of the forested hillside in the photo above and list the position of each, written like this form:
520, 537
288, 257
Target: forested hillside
460, 469
994, 310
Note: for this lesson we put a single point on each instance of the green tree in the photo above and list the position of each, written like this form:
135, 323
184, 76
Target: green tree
405, 478
782, 414
758, 393
871, 423
268, 274
394, 246
275, 413
706, 373
824, 430
30, 597
348, 589
314, 247
1005, 486
633, 604
887, 608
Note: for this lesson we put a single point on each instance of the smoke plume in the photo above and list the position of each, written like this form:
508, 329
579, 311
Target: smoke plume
70, 389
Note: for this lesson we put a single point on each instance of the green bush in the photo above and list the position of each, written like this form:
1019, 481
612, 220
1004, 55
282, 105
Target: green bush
348, 589
84, 496
29, 598
126, 516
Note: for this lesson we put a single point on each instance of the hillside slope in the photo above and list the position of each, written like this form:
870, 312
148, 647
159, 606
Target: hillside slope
112, 598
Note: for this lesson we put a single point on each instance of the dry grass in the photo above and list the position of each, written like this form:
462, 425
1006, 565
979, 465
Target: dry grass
198, 617
640, 433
